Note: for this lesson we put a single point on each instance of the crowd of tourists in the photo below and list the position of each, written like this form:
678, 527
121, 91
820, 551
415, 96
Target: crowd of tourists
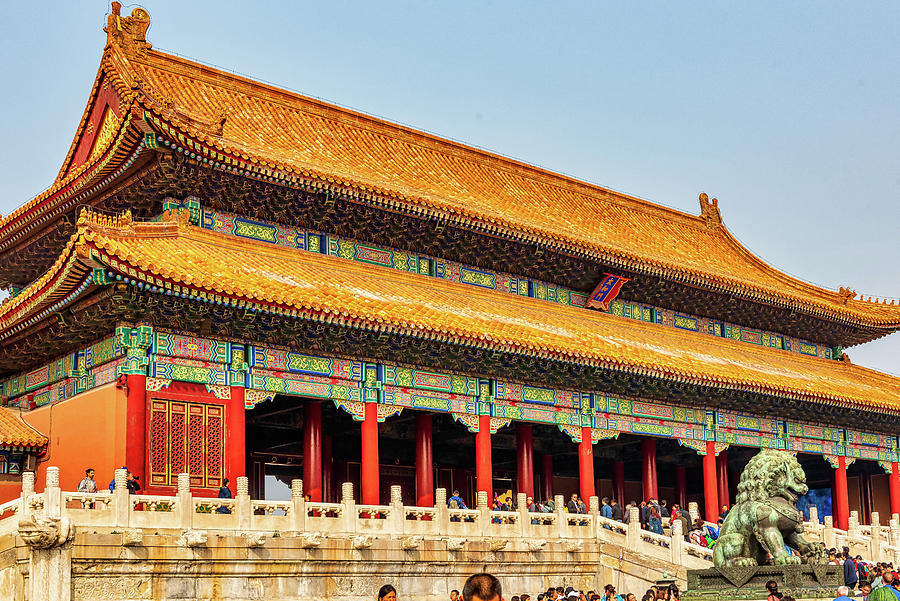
485, 587
866, 580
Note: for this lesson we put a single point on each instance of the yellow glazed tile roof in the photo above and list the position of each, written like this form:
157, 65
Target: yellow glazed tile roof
240, 121
14, 432
319, 287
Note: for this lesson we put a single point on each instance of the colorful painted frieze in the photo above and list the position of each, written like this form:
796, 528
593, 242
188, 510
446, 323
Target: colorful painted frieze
508, 391
190, 347
284, 360
306, 385
433, 400
188, 370
427, 380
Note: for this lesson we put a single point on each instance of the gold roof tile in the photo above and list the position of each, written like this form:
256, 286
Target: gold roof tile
15, 432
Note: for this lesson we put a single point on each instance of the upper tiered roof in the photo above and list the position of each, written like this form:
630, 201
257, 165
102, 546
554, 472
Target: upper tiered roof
261, 132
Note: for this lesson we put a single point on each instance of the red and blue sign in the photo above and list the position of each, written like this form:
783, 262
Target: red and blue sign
606, 291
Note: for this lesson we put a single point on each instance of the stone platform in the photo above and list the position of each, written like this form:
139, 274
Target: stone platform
803, 582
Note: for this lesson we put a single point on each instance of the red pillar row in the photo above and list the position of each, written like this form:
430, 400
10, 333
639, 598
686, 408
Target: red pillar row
586, 464
710, 486
369, 458
312, 450
842, 499
894, 488
327, 469
236, 458
484, 478
648, 468
424, 461
619, 482
525, 459
722, 478
136, 424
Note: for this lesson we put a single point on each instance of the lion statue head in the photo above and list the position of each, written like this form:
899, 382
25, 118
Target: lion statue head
772, 474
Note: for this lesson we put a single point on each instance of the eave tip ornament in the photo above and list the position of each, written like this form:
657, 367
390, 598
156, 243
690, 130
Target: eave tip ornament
128, 33
709, 211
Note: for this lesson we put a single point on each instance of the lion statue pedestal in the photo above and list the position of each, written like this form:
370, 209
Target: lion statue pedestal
752, 544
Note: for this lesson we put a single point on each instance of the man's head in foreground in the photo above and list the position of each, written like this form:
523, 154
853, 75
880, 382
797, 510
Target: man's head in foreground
482, 587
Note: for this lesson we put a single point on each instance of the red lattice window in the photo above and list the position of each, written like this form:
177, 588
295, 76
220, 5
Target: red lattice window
186, 437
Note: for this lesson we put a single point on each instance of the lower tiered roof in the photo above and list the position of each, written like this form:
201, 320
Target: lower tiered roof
174, 257
15, 433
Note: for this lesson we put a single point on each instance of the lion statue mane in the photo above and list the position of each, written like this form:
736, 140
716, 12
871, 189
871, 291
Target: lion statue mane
765, 518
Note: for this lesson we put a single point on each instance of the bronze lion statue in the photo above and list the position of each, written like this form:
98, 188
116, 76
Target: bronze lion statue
765, 517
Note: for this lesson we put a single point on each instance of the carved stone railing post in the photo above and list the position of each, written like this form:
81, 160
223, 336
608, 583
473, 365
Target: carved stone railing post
185, 503
633, 534
349, 507
397, 519
121, 499
47, 536
298, 509
562, 524
52, 496
594, 510
524, 528
853, 524
676, 546
814, 517
441, 511
894, 525
481, 504
27, 491
693, 511
242, 502
875, 543
828, 532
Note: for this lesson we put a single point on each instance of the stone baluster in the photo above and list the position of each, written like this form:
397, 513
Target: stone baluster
875, 543
633, 534
185, 502
481, 504
52, 495
562, 523
676, 545
441, 511
397, 518
243, 507
813, 524
894, 531
853, 524
27, 490
594, 510
828, 532
121, 499
524, 529
693, 511
349, 502
298, 505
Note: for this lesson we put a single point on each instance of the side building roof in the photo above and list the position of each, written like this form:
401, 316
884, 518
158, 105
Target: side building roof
16, 433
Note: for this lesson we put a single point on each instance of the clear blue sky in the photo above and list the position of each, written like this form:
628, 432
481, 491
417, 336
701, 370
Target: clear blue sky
788, 112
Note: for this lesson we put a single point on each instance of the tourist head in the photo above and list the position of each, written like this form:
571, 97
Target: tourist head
613, 502
455, 493
843, 591
630, 597
89, 472
605, 500
482, 587
225, 482
672, 593
887, 577
454, 595
387, 593
514, 598
865, 588
772, 586
526, 597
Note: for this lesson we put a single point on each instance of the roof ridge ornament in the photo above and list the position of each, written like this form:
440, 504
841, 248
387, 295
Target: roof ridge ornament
846, 294
709, 211
128, 33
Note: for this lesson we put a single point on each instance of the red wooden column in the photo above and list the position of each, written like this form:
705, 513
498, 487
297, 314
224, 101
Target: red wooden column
424, 461
136, 426
722, 478
525, 459
681, 486
619, 482
547, 476
842, 499
710, 487
586, 464
312, 450
235, 432
865, 491
327, 469
648, 467
369, 459
484, 477
894, 488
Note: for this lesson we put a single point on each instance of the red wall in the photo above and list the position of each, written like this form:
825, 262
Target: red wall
85, 431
